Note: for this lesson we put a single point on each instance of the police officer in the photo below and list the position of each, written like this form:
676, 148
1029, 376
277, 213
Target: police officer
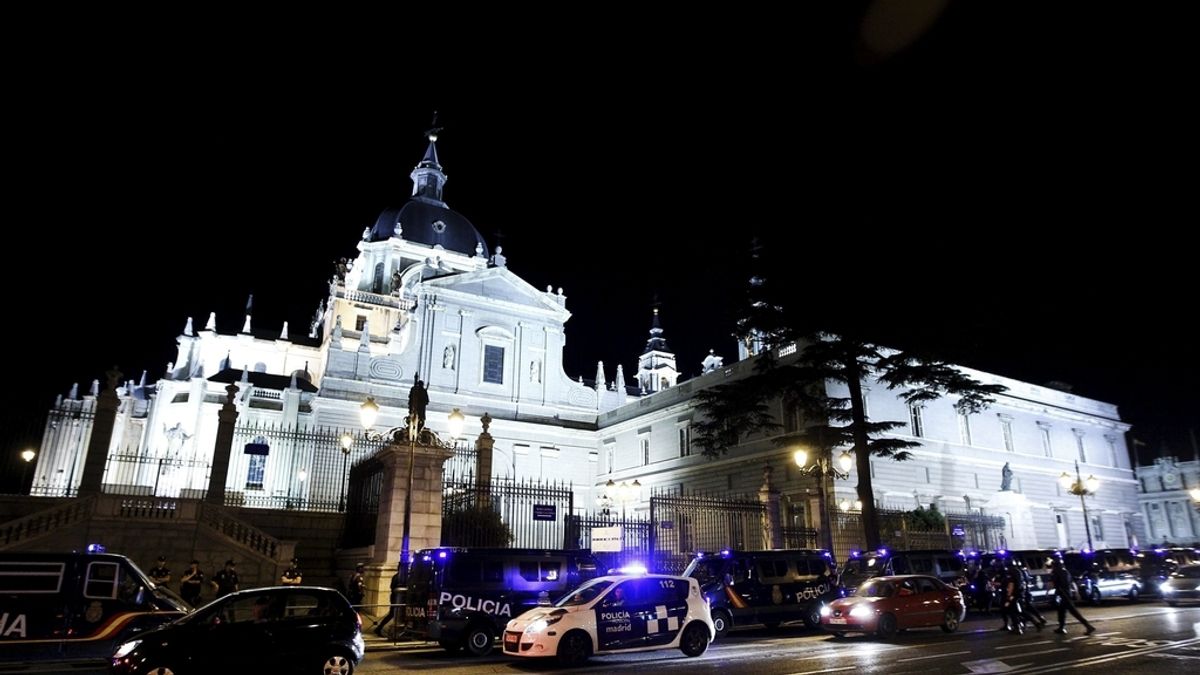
1062, 592
357, 587
394, 599
159, 574
191, 583
292, 575
225, 581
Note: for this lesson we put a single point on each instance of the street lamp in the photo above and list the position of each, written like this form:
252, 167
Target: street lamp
820, 469
623, 492
347, 440
28, 456
1082, 488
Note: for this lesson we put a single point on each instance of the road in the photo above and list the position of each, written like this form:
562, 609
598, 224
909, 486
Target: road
1140, 637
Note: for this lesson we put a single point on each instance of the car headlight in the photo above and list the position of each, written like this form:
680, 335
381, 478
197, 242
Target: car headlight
825, 610
860, 611
1166, 590
125, 648
541, 624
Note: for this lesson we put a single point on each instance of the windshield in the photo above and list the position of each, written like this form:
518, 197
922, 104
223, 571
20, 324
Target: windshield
584, 594
858, 570
705, 571
876, 589
1187, 572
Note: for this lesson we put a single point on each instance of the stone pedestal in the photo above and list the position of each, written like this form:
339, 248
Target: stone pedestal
1017, 512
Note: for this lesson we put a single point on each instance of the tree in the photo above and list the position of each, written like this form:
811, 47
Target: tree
471, 525
738, 409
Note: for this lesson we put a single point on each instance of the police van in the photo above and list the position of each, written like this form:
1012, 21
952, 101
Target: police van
615, 614
766, 587
463, 597
948, 566
76, 607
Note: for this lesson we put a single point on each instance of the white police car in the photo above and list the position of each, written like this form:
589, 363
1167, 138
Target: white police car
612, 614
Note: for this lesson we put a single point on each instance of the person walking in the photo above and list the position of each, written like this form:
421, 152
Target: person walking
191, 583
395, 601
1062, 595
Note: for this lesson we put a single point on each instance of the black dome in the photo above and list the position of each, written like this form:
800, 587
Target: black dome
427, 223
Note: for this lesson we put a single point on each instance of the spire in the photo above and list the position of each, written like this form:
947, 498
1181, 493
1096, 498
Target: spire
245, 375
283, 335
226, 363
187, 329
620, 383
142, 382
212, 322
428, 178
656, 343
73, 395
335, 338
600, 384
364, 339
292, 383
762, 321
95, 390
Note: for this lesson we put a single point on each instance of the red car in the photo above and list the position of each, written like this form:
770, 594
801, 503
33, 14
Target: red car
884, 605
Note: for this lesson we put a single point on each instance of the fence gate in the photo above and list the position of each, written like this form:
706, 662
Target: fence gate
681, 524
534, 513
635, 540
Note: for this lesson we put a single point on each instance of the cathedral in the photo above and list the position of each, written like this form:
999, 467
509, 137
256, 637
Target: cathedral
427, 299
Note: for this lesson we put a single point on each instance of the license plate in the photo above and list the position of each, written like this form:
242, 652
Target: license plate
510, 639
837, 620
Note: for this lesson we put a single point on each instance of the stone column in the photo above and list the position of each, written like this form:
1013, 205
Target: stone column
772, 521
483, 454
102, 429
226, 419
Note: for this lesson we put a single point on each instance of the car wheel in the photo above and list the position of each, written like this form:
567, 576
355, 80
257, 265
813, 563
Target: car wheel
1095, 597
1133, 594
338, 664
950, 621
480, 639
887, 626
695, 639
574, 648
722, 621
812, 615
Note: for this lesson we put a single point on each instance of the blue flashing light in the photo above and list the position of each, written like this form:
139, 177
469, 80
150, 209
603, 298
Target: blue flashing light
883, 551
1001, 552
828, 555
442, 555
854, 553
632, 569
725, 552
1160, 550
96, 548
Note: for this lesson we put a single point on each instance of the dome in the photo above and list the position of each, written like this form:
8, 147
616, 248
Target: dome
427, 223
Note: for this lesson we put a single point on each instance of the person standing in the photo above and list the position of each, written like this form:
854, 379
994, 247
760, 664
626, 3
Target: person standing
394, 599
160, 574
1062, 595
191, 583
292, 575
225, 581
357, 587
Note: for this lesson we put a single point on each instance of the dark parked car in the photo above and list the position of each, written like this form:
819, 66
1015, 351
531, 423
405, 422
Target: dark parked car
1183, 585
286, 629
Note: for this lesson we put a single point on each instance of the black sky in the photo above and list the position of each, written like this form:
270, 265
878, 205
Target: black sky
1011, 187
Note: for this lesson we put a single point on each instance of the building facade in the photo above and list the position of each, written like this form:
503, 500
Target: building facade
1171, 514
425, 298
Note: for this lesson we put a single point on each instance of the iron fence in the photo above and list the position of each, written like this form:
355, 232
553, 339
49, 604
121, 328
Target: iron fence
535, 513
683, 523
635, 539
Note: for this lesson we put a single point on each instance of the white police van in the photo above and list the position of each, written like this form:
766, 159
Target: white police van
613, 614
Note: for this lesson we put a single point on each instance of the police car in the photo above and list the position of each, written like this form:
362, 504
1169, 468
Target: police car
613, 614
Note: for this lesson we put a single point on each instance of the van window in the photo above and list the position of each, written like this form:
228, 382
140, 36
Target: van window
101, 580
541, 570
900, 565
772, 569
920, 565
950, 565
463, 571
32, 577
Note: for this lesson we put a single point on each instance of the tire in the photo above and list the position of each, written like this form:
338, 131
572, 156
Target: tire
722, 621
338, 664
1094, 597
812, 615
1134, 593
887, 626
950, 620
574, 648
479, 639
694, 641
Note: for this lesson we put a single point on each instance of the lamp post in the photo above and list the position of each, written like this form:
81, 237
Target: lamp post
347, 440
28, 456
368, 412
821, 468
623, 492
1082, 488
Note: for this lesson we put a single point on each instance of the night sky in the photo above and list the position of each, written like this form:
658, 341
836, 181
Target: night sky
1008, 188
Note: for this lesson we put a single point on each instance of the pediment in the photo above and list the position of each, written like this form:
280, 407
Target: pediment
498, 284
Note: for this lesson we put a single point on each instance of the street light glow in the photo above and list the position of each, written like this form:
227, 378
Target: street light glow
456, 420
801, 457
28, 455
845, 461
368, 412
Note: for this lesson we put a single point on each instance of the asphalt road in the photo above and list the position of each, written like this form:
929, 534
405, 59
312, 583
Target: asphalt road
1139, 637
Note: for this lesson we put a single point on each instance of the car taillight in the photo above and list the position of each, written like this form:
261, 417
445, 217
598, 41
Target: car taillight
358, 620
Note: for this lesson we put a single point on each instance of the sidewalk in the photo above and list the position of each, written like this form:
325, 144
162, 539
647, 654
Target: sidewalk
374, 643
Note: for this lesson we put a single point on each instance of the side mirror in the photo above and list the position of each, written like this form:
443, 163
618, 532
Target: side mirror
140, 599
